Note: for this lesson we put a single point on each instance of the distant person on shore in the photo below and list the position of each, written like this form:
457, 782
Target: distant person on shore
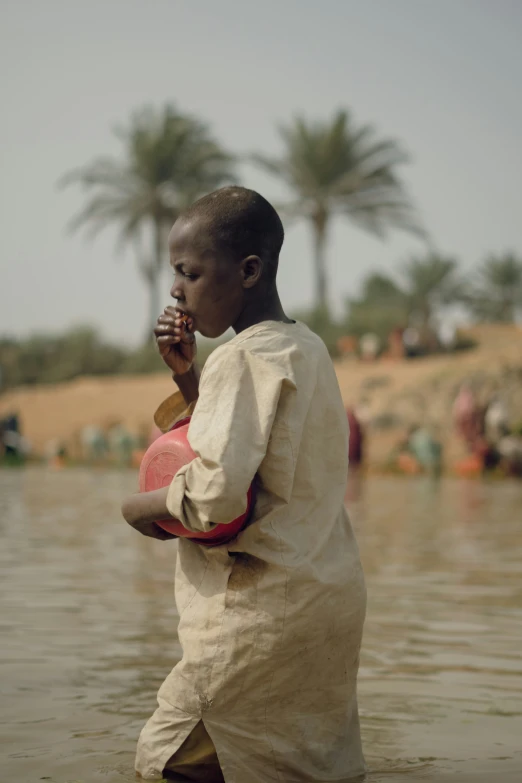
468, 418
13, 446
369, 346
417, 451
509, 449
355, 440
94, 444
426, 449
121, 444
496, 420
270, 623
412, 342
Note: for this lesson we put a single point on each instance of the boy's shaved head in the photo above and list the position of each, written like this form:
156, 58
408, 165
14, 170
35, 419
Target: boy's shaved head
242, 223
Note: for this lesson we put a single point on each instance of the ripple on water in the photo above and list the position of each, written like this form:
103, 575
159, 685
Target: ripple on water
88, 628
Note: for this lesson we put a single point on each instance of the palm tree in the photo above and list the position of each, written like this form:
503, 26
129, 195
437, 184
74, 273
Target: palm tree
337, 169
169, 160
380, 289
497, 294
430, 282
382, 307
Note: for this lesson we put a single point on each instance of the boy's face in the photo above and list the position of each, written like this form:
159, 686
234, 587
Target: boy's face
208, 287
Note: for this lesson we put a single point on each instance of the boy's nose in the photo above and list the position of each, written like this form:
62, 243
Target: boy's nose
176, 292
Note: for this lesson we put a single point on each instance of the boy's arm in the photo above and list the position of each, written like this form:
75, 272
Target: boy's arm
229, 432
143, 509
177, 345
188, 383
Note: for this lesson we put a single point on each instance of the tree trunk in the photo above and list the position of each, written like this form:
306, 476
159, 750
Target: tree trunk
320, 223
153, 277
154, 305
428, 335
507, 314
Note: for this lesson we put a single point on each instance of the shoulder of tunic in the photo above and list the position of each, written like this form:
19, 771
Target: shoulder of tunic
235, 358
289, 350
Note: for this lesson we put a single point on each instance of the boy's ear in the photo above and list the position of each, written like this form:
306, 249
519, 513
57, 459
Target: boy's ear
251, 269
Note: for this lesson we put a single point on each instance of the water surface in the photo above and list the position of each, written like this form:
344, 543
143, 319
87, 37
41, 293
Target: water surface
89, 628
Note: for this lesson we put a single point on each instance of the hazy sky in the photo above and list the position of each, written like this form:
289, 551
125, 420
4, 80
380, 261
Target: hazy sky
443, 76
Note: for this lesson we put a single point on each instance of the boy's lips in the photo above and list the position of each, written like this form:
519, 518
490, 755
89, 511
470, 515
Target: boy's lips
185, 315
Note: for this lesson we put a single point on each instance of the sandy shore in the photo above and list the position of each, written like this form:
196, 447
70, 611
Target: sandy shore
395, 393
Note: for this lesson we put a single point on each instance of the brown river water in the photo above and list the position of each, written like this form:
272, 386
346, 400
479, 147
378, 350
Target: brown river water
88, 628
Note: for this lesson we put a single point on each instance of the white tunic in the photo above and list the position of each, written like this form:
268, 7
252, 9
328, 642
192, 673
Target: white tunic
271, 623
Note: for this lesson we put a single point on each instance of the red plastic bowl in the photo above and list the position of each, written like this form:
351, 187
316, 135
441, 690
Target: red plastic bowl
159, 465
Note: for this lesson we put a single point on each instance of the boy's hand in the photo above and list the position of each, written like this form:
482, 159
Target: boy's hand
151, 530
175, 340
141, 511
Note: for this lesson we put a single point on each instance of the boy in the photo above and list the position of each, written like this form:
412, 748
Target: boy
270, 623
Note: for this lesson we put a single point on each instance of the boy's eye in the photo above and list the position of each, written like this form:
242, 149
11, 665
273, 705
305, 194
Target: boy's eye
188, 275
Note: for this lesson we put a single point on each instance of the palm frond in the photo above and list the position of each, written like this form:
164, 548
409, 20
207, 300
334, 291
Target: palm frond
169, 160
496, 294
346, 170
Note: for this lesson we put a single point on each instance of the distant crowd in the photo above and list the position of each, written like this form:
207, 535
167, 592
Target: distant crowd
491, 441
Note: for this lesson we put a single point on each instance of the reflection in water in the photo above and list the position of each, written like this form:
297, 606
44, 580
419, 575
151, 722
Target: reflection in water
88, 627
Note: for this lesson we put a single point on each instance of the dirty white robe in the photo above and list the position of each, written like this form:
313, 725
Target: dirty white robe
270, 623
